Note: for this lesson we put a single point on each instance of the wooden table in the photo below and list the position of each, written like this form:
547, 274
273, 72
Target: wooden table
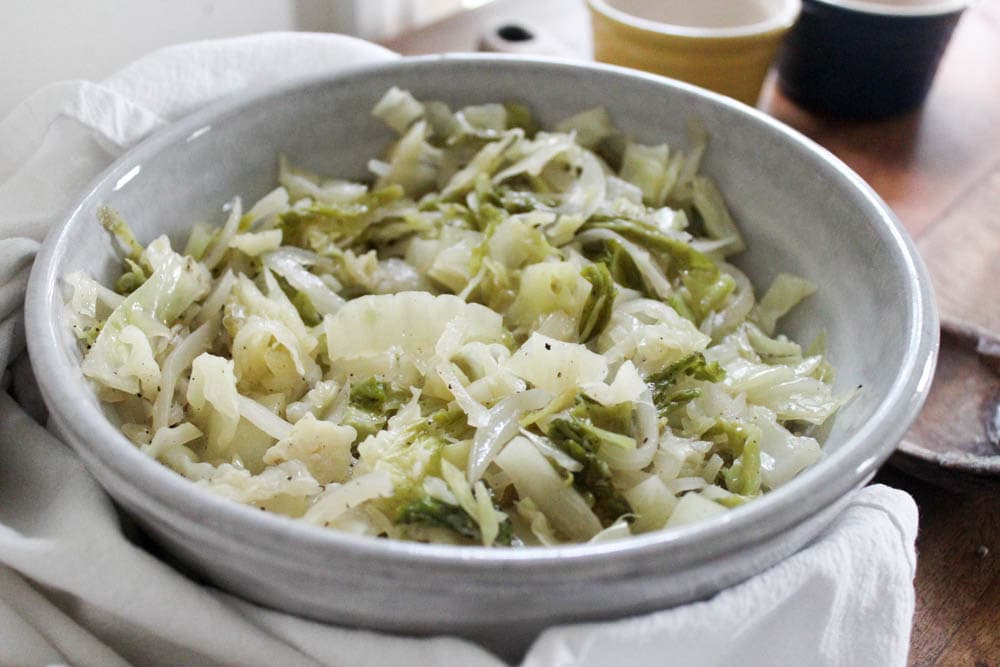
939, 169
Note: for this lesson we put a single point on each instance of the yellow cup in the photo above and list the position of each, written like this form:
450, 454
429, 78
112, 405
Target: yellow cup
723, 45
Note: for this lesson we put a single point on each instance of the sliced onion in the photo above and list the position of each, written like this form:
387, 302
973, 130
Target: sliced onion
179, 359
500, 426
290, 266
477, 414
264, 419
171, 436
217, 299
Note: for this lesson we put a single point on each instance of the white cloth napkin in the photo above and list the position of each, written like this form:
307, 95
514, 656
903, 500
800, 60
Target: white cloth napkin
74, 589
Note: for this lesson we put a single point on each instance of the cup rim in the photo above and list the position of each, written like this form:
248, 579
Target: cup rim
782, 19
880, 8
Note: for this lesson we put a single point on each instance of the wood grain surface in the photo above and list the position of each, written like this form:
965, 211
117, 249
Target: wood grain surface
954, 440
962, 252
938, 168
958, 575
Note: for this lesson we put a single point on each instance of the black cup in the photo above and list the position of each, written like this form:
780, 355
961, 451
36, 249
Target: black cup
864, 60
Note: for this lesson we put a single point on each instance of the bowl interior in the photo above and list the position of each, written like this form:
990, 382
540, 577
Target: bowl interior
800, 211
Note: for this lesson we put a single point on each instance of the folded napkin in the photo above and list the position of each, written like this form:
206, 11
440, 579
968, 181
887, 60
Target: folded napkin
75, 589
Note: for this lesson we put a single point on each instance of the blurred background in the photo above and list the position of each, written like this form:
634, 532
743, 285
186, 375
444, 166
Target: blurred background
42, 41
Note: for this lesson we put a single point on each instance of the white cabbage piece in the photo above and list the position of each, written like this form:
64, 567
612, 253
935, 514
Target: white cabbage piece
548, 287
652, 503
250, 442
301, 184
324, 447
627, 387
140, 362
649, 333
500, 427
621, 194
398, 109
220, 244
317, 401
484, 364
452, 258
176, 363
154, 305
736, 307
588, 191
482, 120
395, 275
89, 302
410, 321
589, 127
290, 264
254, 244
265, 211
619, 530
785, 292
488, 517
790, 390
263, 413
269, 358
715, 216
556, 366
169, 437
291, 480
247, 300
214, 401
782, 454
392, 365
533, 155
337, 499
692, 508
485, 162
534, 478
217, 298
515, 243
645, 167
396, 452
541, 531
414, 164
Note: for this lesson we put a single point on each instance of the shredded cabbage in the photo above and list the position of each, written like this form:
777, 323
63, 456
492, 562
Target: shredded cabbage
508, 337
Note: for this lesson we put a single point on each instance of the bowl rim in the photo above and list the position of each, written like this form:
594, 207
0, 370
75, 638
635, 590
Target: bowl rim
777, 21
168, 494
890, 10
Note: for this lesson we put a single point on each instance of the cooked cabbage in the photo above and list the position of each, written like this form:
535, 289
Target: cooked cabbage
507, 337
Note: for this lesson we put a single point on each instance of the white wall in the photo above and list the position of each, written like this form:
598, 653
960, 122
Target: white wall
42, 41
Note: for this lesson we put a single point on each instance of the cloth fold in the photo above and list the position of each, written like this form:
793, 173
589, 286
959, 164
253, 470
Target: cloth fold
75, 589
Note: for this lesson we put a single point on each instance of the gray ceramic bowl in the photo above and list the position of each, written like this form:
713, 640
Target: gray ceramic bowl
800, 209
